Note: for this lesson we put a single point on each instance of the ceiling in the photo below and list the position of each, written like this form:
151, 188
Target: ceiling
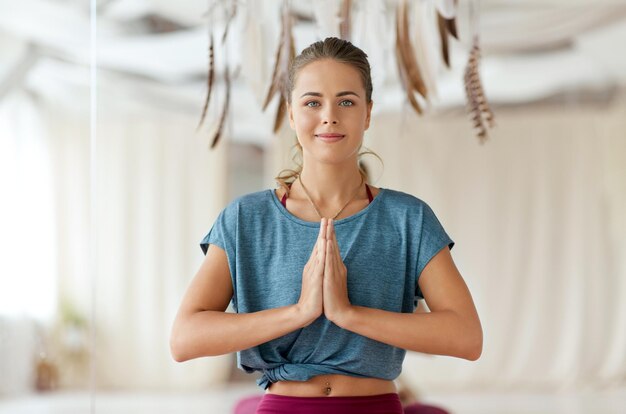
155, 51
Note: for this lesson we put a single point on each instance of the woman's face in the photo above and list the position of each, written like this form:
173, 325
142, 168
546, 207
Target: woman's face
329, 97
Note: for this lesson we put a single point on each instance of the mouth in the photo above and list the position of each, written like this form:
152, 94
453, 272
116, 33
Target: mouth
330, 137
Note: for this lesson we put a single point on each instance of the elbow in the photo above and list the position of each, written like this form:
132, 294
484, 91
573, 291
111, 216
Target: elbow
473, 348
177, 348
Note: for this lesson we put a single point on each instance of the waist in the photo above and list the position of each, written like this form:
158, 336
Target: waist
333, 385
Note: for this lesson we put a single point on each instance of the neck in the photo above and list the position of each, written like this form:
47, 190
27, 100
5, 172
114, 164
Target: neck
330, 185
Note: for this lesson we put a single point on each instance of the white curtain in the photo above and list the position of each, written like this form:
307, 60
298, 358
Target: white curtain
27, 240
538, 214
158, 190
26, 212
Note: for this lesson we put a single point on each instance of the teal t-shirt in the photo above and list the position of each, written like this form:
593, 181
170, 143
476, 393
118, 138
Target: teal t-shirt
385, 247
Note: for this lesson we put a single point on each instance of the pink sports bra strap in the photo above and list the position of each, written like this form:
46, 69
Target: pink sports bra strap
283, 201
369, 193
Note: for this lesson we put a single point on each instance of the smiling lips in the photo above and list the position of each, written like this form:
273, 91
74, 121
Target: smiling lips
330, 137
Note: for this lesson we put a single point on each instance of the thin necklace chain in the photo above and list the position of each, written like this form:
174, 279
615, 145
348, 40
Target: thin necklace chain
315, 207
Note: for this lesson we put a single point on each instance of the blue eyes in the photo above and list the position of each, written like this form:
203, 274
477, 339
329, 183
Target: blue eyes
345, 100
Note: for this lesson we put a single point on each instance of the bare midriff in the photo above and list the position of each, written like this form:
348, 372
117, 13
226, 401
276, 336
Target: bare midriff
333, 385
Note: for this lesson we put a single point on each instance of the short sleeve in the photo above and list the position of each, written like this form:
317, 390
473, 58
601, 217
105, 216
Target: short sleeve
432, 239
223, 234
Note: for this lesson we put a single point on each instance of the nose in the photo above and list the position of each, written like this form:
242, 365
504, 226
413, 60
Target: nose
329, 116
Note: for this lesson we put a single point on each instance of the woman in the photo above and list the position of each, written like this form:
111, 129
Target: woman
325, 272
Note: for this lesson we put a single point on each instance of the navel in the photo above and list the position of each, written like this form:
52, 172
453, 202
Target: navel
327, 390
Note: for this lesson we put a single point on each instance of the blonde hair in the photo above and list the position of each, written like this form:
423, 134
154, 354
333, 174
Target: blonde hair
344, 52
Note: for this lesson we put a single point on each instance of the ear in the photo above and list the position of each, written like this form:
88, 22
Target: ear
292, 124
369, 114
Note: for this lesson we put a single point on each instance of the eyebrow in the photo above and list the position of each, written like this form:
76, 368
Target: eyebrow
343, 93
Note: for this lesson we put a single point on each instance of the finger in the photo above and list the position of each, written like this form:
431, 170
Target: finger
320, 236
313, 255
321, 256
335, 244
330, 238
329, 263
336, 247
323, 228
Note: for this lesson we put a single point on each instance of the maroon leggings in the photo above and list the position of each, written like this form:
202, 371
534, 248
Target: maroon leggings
370, 404
296, 405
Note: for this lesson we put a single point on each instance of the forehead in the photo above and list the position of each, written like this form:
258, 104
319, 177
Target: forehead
329, 75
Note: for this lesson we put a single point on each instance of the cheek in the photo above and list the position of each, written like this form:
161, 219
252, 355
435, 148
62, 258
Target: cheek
305, 122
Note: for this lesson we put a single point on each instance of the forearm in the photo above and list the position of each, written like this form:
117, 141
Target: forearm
211, 333
440, 333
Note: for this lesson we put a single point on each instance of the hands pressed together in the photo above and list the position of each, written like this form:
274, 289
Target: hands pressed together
324, 279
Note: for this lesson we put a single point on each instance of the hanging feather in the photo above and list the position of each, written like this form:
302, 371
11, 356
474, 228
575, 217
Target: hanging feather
426, 48
447, 8
402, 67
282, 103
233, 12
407, 52
274, 84
220, 127
481, 114
477, 88
210, 79
451, 27
405, 82
443, 36
470, 78
280, 114
284, 56
344, 26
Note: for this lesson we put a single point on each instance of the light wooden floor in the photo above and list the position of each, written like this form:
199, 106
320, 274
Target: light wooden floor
222, 400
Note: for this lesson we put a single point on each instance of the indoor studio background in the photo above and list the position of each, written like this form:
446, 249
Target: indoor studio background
107, 189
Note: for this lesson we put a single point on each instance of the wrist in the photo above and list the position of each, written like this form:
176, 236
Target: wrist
303, 317
343, 319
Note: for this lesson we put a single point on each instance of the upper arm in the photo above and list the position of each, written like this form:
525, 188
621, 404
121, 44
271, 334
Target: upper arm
444, 288
211, 288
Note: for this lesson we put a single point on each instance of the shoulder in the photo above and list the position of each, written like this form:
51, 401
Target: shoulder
403, 200
255, 199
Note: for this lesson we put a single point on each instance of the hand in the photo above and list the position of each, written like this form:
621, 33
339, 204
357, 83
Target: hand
336, 302
311, 303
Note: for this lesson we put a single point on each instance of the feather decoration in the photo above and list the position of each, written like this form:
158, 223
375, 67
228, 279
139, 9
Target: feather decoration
447, 8
402, 69
284, 56
426, 48
407, 52
233, 12
344, 26
451, 27
222, 120
210, 79
443, 35
274, 84
280, 114
287, 57
405, 83
481, 114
